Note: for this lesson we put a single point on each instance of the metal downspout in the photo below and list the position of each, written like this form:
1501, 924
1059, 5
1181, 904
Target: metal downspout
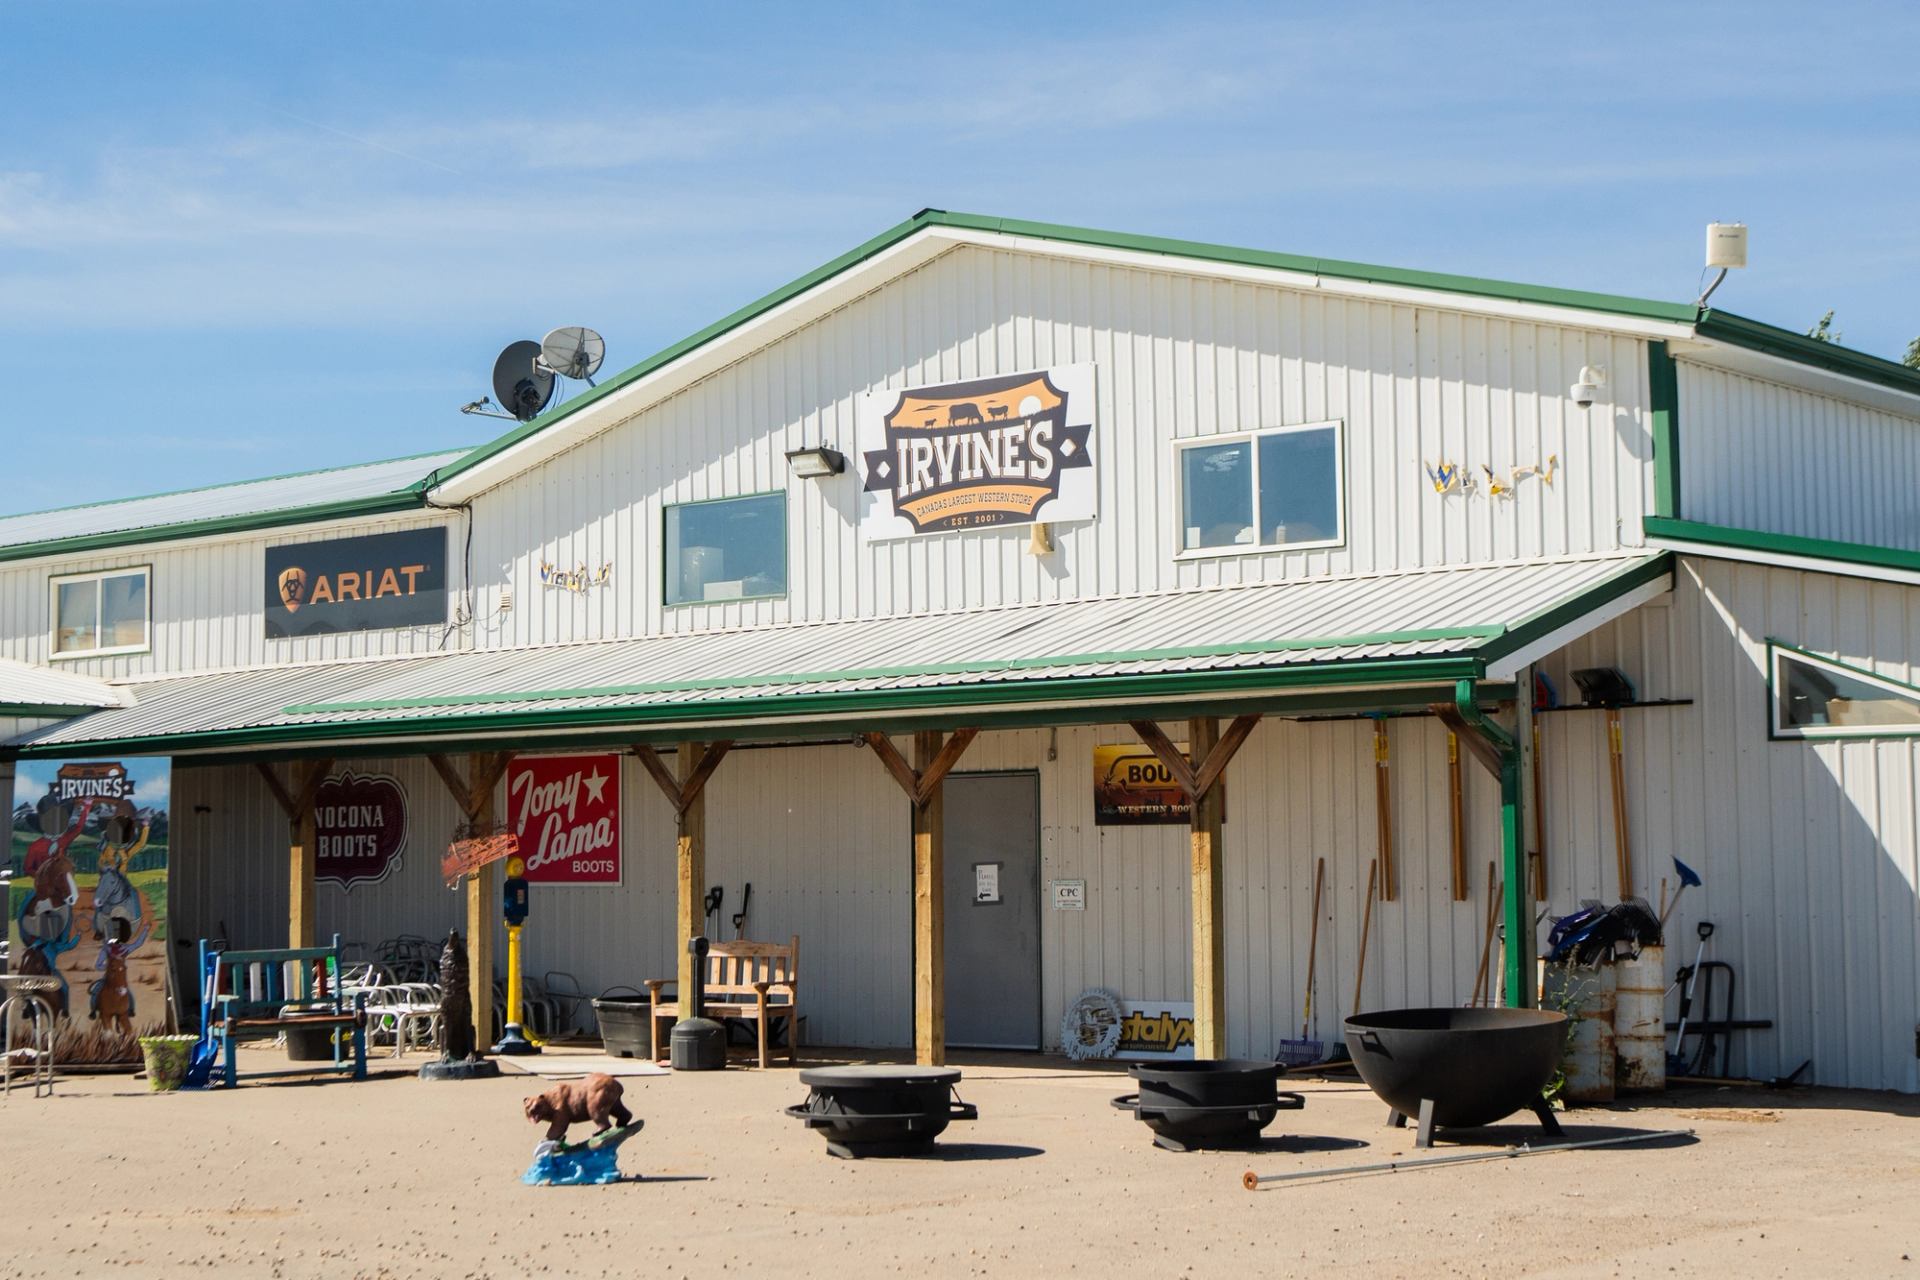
1514, 909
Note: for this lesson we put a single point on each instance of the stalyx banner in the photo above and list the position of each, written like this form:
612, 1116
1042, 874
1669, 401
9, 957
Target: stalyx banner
1008, 450
566, 812
87, 902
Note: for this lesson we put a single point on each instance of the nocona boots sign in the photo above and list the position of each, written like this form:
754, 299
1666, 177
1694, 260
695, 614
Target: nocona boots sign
1008, 450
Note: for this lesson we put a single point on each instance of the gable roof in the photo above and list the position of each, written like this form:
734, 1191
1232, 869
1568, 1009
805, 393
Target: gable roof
1721, 326
334, 493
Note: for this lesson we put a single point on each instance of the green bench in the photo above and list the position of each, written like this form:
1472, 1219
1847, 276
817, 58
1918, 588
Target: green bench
286, 989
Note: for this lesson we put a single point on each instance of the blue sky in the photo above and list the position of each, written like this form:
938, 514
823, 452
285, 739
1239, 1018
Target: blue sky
240, 240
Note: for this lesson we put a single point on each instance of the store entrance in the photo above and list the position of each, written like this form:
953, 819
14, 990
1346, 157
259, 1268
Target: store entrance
993, 910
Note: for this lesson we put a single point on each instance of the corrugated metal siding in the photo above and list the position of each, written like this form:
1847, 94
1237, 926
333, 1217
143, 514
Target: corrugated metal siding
1177, 356
25, 684
253, 497
1761, 455
207, 601
1808, 849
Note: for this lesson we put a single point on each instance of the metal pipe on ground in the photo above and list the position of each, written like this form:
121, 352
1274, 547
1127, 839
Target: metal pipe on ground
1254, 1181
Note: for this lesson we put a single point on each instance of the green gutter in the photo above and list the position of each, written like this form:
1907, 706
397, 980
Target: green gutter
343, 509
865, 702
48, 710
1767, 339
1784, 544
1663, 395
1198, 251
1519, 950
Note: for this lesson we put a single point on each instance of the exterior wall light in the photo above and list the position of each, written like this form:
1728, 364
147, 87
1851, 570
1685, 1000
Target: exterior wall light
810, 464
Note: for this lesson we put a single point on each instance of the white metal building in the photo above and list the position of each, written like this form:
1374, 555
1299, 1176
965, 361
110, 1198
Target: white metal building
1337, 497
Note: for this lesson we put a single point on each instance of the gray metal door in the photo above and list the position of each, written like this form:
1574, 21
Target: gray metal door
993, 910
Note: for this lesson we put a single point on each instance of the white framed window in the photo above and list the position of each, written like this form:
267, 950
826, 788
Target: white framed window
101, 613
727, 549
1815, 697
1278, 489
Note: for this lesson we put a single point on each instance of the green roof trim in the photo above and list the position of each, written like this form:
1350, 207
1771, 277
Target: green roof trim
345, 509
1769, 340
1636, 574
1784, 544
802, 708
886, 673
1472, 286
47, 710
1663, 399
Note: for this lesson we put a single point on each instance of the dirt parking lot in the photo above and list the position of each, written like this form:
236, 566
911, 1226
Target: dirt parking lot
395, 1177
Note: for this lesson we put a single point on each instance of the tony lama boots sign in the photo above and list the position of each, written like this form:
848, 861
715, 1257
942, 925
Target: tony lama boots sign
1007, 450
357, 584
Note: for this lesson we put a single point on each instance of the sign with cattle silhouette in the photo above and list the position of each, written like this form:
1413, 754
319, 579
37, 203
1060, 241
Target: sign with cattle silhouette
1011, 449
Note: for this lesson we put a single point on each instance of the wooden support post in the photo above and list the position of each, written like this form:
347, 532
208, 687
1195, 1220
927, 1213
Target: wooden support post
1499, 751
929, 909
483, 898
1383, 812
691, 861
1457, 817
302, 842
933, 759
1209, 950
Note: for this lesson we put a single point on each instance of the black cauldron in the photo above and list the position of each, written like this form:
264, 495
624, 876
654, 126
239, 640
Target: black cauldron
881, 1110
1461, 1067
1208, 1102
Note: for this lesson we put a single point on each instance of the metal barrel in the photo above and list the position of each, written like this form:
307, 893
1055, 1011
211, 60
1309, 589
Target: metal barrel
1587, 996
1639, 1021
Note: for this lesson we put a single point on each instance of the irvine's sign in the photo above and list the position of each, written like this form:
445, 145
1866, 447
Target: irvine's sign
1007, 450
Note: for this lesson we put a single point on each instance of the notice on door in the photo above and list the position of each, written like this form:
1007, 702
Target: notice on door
986, 883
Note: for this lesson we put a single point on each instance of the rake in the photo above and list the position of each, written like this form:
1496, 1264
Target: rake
1304, 1052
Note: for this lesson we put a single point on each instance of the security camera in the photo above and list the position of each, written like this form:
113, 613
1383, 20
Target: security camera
1587, 389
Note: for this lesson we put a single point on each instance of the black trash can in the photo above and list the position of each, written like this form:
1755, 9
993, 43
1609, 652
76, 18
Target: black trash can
626, 1026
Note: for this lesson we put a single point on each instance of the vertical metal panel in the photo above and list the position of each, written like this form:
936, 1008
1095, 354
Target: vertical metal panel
1178, 356
208, 608
1762, 455
1807, 849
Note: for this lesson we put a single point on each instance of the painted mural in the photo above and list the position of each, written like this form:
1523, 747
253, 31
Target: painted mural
87, 903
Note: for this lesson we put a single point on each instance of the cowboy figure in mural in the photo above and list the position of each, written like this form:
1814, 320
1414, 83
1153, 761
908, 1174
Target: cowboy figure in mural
46, 917
114, 897
110, 998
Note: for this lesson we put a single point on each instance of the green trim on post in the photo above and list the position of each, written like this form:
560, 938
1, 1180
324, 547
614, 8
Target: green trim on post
1663, 395
1515, 909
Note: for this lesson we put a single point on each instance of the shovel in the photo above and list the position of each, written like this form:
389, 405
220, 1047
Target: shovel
1688, 878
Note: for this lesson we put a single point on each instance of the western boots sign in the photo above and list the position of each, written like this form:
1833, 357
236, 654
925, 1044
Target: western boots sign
1009, 450
360, 825
357, 584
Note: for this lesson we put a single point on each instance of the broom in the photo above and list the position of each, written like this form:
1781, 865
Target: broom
1304, 1052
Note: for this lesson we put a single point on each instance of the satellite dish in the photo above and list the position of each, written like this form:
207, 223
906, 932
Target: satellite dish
573, 352
520, 384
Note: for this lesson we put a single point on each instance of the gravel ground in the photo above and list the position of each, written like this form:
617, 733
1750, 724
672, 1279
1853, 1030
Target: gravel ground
396, 1177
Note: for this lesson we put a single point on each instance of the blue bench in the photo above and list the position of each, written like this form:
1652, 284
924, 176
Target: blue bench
286, 989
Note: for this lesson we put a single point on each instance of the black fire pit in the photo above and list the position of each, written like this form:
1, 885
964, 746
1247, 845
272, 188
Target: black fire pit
1208, 1102
1460, 1067
881, 1110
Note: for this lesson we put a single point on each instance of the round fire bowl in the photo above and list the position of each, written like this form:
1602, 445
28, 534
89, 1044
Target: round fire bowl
1468, 1066
1208, 1102
880, 1110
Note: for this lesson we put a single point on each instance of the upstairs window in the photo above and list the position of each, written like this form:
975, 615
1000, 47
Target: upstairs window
1820, 698
727, 549
98, 613
1279, 489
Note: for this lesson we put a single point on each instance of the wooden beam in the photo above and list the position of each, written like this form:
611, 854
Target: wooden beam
657, 770
929, 907
278, 788
1209, 953
682, 792
456, 785
692, 785
933, 771
1457, 818
1383, 811
896, 764
1483, 752
1169, 755
1208, 770
483, 907
310, 783
301, 891
691, 861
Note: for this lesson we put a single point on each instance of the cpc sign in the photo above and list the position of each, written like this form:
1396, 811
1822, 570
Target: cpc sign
566, 812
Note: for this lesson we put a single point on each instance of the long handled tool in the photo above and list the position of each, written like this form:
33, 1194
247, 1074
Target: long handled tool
1688, 878
1383, 804
1366, 927
740, 916
1304, 1052
1675, 1064
1486, 947
1616, 763
1539, 823
1254, 1181
1457, 818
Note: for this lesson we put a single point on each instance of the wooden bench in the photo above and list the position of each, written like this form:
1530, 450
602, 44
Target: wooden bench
753, 982
265, 984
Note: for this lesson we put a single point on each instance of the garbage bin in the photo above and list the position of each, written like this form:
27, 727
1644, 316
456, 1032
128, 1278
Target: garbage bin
626, 1025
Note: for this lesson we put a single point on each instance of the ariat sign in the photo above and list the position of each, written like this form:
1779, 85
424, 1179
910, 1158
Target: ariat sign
357, 584
1007, 450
